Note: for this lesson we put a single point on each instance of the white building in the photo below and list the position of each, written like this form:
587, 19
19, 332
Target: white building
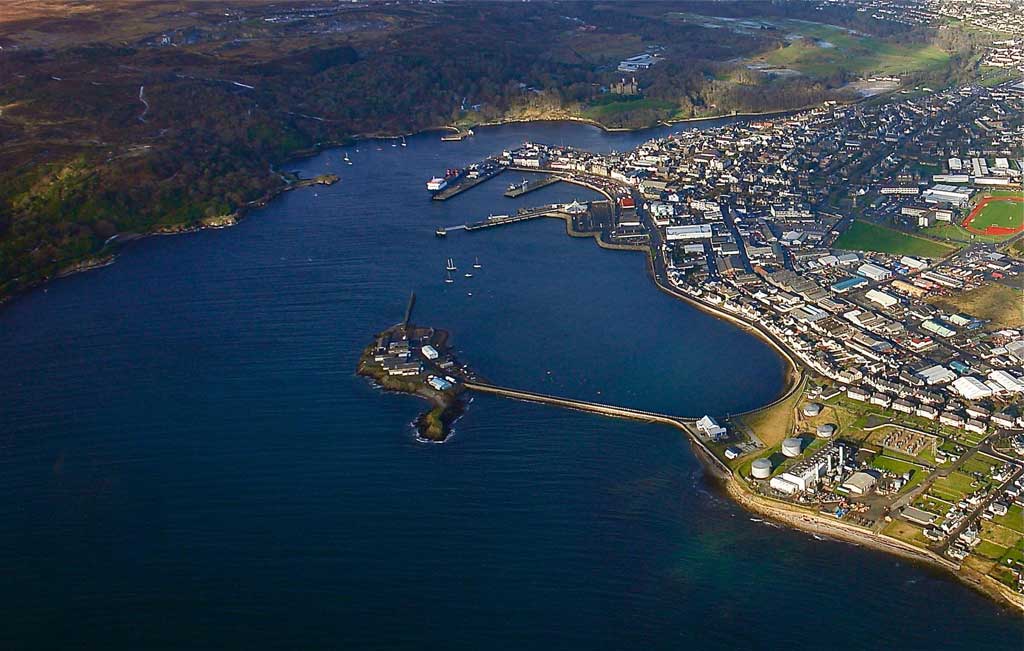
710, 428
971, 388
689, 232
1007, 381
874, 272
883, 299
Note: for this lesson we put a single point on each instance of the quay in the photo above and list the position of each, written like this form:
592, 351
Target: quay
518, 190
457, 136
467, 183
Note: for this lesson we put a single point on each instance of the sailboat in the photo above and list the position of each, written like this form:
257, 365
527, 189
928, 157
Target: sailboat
448, 277
347, 159
451, 265
404, 143
476, 263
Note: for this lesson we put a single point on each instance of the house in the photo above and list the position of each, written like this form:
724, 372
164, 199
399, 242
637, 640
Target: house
880, 399
856, 393
951, 419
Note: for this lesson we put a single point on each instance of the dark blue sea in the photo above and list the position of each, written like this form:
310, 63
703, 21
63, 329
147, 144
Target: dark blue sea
187, 460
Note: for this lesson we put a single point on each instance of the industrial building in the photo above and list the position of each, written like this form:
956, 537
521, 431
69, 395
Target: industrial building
971, 388
874, 272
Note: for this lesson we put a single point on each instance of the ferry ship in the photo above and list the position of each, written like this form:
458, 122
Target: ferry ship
439, 183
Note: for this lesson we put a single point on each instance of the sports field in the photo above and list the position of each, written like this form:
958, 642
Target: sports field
997, 215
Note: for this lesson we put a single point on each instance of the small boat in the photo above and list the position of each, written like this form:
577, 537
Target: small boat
476, 263
756, 520
404, 143
451, 265
817, 537
440, 232
347, 159
448, 278
468, 275
469, 293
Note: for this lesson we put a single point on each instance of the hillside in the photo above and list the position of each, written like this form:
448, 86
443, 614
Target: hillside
121, 117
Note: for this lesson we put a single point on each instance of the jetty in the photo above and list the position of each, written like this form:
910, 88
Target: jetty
519, 189
519, 216
468, 182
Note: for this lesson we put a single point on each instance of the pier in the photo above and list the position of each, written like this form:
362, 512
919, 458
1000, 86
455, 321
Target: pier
467, 183
529, 186
520, 216
687, 425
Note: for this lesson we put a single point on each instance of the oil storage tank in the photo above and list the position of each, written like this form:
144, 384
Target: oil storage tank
812, 409
761, 469
825, 431
791, 447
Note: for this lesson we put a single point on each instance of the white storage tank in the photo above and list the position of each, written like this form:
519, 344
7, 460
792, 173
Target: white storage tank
761, 469
791, 447
826, 431
812, 409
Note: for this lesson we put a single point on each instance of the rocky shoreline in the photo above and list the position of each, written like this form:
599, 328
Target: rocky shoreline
814, 523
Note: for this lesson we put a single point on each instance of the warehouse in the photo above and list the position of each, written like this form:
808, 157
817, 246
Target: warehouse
861, 482
971, 388
874, 272
938, 327
883, 299
936, 374
1006, 381
947, 194
913, 263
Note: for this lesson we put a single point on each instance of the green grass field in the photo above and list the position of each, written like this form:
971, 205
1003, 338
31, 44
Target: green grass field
826, 50
990, 550
952, 488
978, 463
1014, 519
894, 465
608, 110
865, 236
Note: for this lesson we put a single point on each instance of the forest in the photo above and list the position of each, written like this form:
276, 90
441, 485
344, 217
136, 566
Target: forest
156, 116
